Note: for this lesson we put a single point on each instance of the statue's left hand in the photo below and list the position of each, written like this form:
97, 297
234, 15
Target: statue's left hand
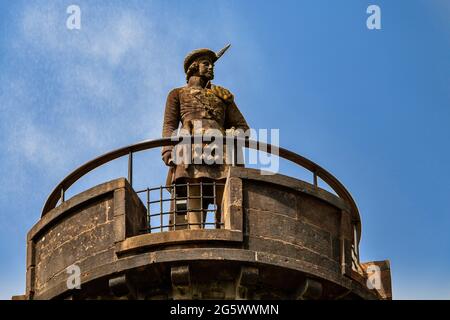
167, 159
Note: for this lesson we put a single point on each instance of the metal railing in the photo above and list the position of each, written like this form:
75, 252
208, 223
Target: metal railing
317, 171
356, 264
172, 213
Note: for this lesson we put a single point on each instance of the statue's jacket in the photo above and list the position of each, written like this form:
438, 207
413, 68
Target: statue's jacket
198, 110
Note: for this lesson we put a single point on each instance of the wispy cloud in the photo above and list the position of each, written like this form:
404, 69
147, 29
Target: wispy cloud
106, 84
96, 88
68, 96
74, 94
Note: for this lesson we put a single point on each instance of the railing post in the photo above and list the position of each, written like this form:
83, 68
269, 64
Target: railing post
149, 218
315, 178
174, 213
62, 195
355, 241
235, 151
161, 208
130, 168
342, 257
202, 224
188, 205
215, 204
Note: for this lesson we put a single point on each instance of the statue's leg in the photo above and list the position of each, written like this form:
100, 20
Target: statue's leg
180, 205
194, 215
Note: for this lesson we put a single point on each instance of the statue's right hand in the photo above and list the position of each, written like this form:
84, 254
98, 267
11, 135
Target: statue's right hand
167, 158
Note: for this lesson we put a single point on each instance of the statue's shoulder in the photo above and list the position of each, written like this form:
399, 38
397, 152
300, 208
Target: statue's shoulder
174, 93
175, 90
222, 93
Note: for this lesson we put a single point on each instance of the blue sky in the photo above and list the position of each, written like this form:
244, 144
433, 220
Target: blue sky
371, 106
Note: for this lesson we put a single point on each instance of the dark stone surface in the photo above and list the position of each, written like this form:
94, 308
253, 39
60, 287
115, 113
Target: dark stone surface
283, 240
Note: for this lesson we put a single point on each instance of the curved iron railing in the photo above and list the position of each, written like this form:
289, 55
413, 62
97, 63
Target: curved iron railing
317, 171
180, 206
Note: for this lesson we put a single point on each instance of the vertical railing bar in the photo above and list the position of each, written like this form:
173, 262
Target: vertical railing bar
130, 168
188, 204
315, 178
62, 195
342, 255
355, 243
215, 204
161, 207
149, 223
342, 243
234, 151
202, 225
174, 206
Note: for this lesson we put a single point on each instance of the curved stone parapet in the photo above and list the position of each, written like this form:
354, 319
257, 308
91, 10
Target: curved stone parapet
282, 239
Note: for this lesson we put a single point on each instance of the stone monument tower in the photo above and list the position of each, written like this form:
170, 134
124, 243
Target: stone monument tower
211, 231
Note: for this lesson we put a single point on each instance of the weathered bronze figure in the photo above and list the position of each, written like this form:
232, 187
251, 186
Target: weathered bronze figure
199, 106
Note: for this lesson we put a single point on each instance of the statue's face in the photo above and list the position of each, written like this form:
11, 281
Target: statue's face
206, 68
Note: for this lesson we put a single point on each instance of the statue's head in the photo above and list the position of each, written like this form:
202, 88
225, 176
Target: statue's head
200, 63
202, 67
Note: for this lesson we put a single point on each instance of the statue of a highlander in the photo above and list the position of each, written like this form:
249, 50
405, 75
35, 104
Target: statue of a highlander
200, 107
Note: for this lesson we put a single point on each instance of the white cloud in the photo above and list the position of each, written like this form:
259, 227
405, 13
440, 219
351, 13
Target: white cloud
98, 88
107, 34
105, 85
72, 95
92, 72
36, 145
